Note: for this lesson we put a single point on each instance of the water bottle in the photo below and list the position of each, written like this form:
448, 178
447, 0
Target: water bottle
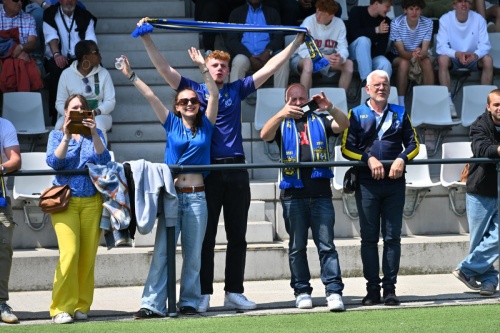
119, 63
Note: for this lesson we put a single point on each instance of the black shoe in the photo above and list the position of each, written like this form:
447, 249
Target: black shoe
390, 297
144, 313
372, 298
187, 310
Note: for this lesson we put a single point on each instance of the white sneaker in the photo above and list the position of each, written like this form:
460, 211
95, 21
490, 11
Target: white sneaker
62, 318
204, 303
303, 301
79, 315
453, 111
238, 301
334, 303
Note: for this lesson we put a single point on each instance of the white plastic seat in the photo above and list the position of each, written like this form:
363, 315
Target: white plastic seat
29, 188
430, 108
393, 95
474, 102
269, 102
451, 173
348, 200
418, 183
345, 13
25, 111
336, 95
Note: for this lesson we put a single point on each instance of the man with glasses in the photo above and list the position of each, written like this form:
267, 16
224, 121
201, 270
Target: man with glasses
18, 33
64, 25
463, 42
380, 192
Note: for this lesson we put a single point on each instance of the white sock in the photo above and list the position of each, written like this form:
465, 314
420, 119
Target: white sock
401, 100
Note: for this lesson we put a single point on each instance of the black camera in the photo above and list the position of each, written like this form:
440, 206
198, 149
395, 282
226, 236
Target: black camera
310, 106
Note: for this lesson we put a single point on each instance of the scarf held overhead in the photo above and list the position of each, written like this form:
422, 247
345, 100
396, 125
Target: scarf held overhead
290, 150
197, 26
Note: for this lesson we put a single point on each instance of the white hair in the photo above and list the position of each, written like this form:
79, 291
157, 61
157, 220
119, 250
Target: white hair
377, 72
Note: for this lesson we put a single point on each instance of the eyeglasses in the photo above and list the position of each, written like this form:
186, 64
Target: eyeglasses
88, 88
380, 85
185, 101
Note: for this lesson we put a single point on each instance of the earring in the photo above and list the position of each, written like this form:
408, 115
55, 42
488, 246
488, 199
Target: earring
83, 64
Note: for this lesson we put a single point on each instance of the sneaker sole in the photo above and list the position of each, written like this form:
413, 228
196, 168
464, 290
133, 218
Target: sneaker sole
457, 275
304, 306
239, 307
486, 293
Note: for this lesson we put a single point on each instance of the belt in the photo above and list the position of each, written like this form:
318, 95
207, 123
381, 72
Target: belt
228, 160
190, 189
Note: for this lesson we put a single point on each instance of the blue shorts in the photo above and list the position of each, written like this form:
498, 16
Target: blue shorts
455, 64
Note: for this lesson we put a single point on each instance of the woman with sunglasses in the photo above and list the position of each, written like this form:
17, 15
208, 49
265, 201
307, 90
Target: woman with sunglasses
87, 77
189, 133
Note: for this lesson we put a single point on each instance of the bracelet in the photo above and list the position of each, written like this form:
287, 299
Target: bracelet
56, 53
65, 140
295, 44
331, 108
204, 71
133, 77
44, 4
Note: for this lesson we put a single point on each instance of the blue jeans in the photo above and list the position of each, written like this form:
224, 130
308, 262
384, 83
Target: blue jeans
360, 51
319, 215
482, 213
380, 208
191, 224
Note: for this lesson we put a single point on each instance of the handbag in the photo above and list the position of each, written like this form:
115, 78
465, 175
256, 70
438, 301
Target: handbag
55, 199
351, 176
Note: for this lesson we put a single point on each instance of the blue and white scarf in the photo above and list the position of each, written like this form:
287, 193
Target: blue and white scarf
198, 26
290, 150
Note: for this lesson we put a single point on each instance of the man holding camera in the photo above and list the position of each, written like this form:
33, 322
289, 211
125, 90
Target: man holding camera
306, 194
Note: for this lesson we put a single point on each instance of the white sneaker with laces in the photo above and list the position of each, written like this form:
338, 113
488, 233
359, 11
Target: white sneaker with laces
334, 303
6, 314
79, 315
303, 301
238, 301
204, 303
62, 318
453, 111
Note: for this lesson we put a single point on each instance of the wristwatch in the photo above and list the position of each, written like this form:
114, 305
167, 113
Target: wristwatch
4, 170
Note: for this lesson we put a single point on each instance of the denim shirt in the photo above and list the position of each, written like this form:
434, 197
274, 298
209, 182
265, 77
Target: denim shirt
78, 155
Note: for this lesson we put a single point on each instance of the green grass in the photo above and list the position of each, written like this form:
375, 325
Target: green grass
473, 318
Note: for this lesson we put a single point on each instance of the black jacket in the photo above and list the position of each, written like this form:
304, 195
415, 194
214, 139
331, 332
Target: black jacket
482, 177
239, 15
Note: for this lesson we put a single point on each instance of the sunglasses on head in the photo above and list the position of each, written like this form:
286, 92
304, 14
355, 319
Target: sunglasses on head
185, 101
88, 88
95, 52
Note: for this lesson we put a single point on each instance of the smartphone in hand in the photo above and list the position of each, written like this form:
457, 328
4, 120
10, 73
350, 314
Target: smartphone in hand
76, 125
310, 106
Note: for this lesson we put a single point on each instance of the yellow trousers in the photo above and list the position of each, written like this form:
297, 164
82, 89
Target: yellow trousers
78, 234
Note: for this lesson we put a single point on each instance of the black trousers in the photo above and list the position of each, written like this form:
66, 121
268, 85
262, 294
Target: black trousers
229, 189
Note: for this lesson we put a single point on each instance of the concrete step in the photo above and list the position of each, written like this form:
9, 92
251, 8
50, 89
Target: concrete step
129, 266
137, 9
173, 40
150, 76
140, 59
124, 24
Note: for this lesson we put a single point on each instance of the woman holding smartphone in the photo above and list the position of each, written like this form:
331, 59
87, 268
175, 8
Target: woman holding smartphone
189, 133
77, 228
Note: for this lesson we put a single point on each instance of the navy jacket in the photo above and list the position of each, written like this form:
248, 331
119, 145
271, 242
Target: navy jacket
400, 140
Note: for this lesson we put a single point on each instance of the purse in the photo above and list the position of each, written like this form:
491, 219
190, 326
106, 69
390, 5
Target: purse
55, 199
351, 176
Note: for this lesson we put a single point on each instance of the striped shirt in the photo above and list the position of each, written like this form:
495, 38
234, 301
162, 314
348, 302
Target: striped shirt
401, 32
25, 22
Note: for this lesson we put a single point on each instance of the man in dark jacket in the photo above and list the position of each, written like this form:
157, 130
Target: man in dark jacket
481, 203
252, 50
368, 37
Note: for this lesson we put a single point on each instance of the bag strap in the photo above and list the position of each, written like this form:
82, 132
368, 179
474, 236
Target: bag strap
374, 136
2, 180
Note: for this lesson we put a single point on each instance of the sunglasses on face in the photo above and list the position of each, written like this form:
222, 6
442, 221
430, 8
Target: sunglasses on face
185, 101
88, 88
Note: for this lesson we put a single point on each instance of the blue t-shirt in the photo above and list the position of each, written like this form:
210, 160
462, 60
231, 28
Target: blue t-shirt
226, 139
184, 149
